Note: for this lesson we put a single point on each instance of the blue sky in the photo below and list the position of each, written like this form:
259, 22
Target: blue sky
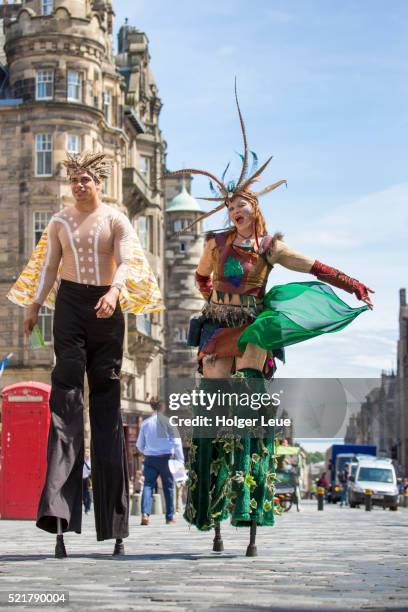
323, 87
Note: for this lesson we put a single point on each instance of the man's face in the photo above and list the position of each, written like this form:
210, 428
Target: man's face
86, 453
84, 187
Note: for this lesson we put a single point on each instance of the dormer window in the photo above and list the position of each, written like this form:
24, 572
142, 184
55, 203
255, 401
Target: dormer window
47, 7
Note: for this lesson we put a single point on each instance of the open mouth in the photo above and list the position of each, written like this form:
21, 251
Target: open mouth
239, 219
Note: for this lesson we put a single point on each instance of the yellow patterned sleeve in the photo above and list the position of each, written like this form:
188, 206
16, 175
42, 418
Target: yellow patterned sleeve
140, 292
24, 290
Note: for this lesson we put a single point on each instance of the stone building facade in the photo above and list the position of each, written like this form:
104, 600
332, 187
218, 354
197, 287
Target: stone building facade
402, 376
182, 255
383, 416
62, 88
377, 420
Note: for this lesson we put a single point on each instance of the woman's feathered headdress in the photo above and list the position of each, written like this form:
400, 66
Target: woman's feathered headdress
97, 165
225, 192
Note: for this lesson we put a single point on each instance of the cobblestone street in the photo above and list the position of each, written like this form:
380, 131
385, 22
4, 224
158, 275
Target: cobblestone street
339, 559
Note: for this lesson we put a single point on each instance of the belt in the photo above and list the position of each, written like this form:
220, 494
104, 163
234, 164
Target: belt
168, 456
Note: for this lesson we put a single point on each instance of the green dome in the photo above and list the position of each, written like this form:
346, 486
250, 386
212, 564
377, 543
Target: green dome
183, 202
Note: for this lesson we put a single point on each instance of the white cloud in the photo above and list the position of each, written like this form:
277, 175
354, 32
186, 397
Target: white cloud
376, 218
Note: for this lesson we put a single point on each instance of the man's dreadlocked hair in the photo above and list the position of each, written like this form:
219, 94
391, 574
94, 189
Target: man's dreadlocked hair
95, 164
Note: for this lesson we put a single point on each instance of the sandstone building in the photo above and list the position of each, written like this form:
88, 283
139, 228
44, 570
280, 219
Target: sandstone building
62, 88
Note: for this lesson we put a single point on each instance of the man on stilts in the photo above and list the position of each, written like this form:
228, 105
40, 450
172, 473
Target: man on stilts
89, 266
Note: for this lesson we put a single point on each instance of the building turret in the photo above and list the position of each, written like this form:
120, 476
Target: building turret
182, 298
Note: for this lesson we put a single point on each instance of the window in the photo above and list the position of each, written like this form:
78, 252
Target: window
74, 144
107, 106
45, 323
180, 224
74, 86
47, 7
145, 167
182, 247
180, 335
145, 231
130, 388
144, 324
40, 222
43, 154
44, 85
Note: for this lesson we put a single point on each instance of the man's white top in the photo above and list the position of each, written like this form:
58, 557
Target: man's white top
158, 437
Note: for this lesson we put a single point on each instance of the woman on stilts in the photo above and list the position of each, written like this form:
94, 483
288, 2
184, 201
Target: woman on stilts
242, 331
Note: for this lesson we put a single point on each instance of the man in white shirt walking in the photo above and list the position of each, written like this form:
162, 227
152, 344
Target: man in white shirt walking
158, 442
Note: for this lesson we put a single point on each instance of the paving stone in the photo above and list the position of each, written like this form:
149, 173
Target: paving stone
338, 559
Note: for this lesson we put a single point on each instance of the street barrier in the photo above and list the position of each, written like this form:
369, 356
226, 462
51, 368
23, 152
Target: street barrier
320, 498
368, 500
157, 507
136, 508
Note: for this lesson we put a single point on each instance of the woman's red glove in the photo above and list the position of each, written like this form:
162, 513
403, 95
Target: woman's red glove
342, 281
204, 285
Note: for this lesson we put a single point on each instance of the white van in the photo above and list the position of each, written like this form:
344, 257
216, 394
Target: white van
378, 475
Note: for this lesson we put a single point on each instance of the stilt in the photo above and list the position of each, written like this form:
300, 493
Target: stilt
119, 547
251, 550
60, 552
218, 544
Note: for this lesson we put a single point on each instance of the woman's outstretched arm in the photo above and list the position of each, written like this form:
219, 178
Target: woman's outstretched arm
293, 260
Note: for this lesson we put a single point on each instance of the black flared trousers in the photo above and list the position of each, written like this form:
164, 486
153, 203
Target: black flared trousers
82, 342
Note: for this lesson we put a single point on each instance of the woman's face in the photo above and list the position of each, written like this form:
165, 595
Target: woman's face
241, 214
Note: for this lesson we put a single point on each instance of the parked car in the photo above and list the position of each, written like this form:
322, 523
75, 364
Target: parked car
378, 475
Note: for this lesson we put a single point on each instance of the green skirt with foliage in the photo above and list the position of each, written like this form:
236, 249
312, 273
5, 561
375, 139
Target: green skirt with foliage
234, 476
230, 476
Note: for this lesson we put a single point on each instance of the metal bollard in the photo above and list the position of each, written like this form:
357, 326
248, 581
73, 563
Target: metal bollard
368, 500
320, 498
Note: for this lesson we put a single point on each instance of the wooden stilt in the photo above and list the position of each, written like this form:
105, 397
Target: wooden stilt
252, 550
218, 545
60, 552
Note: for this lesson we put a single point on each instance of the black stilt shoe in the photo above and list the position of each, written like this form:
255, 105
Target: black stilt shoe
119, 547
218, 544
60, 552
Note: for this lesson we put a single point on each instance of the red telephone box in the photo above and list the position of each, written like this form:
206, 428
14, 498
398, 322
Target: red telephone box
25, 425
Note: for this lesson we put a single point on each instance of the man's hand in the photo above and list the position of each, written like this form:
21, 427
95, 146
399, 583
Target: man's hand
107, 303
31, 318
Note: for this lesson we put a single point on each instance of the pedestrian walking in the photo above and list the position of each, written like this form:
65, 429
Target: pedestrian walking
344, 475
158, 442
86, 489
89, 265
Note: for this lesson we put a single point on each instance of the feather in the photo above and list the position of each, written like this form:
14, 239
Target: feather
225, 172
213, 190
245, 160
200, 218
194, 171
255, 175
254, 162
271, 188
212, 199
